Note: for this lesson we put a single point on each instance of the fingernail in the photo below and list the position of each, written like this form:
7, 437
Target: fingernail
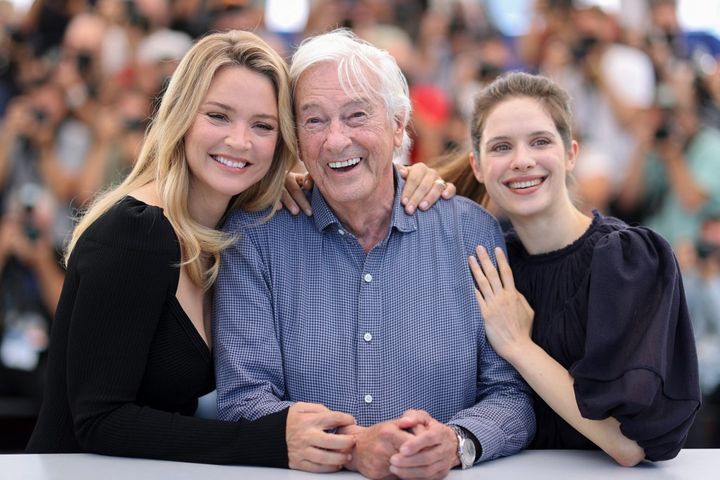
404, 200
308, 212
423, 205
410, 209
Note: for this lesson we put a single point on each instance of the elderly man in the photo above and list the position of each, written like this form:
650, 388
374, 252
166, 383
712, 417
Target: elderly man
361, 307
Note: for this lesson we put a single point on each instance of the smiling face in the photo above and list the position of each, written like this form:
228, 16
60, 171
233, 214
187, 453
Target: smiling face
523, 162
346, 143
231, 143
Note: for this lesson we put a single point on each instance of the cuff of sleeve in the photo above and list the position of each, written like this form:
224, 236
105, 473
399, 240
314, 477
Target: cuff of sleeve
488, 439
478, 446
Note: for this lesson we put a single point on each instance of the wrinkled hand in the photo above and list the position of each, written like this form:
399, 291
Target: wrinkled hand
310, 446
376, 444
508, 316
293, 194
430, 453
423, 187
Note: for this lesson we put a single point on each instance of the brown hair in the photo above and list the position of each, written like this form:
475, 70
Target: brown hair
553, 99
456, 168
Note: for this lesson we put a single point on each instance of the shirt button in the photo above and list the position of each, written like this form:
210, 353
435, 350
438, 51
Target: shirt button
367, 337
367, 278
368, 398
341, 231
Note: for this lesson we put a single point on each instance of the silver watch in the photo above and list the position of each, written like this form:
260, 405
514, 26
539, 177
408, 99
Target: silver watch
466, 447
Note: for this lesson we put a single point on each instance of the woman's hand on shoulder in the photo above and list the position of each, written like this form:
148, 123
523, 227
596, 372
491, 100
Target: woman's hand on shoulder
423, 187
507, 314
293, 194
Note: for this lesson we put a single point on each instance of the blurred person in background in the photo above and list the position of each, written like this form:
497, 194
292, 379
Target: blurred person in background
117, 138
672, 182
702, 276
30, 283
41, 143
606, 105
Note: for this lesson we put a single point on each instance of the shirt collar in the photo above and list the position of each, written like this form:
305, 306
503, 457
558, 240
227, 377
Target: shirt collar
401, 221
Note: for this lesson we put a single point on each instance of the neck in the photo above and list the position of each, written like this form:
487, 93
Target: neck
551, 231
206, 211
368, 221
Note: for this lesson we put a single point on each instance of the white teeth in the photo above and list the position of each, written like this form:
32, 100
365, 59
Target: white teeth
346, 163
229, 163
525, 184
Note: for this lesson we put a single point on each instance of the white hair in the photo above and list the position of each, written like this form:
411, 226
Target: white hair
363, 71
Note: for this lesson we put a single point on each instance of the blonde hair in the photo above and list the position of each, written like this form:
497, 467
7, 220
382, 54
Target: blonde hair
162, 158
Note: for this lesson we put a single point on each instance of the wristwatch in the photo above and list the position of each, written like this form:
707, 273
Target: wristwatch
466, 447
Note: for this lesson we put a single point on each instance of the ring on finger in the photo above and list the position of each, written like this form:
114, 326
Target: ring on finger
441, 182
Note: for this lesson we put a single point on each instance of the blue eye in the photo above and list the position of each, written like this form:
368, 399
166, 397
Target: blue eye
500, 147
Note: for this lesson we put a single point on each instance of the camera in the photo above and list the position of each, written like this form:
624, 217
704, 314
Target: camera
134, 124
581, 49
29, 196
39, 115
84, 62
709, 242
663, 131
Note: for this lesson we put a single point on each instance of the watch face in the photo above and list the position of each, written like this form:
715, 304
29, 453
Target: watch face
468, 453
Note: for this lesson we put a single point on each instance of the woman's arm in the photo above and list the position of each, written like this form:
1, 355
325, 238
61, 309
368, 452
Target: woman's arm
508, 323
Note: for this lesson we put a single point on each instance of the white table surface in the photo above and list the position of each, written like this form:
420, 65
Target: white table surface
690, 464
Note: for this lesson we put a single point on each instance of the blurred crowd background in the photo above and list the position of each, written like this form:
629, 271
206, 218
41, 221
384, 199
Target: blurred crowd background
79, 80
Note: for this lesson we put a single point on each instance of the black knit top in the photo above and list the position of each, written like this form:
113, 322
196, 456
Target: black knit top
126, 364
611, 309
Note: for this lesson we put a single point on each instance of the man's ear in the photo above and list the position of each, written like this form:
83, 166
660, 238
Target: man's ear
398, 131
475, 165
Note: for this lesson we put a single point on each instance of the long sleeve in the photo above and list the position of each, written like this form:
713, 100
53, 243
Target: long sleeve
248, 356
133, 372
640, 364
373, 333
502, 418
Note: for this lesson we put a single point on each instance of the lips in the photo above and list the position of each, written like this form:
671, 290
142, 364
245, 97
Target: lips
228, 162
351, 162
525, 183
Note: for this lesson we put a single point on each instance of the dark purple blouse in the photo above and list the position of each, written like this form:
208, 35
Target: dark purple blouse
611, 309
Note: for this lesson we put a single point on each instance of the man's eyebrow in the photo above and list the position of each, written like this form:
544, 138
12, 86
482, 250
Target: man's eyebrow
362, 102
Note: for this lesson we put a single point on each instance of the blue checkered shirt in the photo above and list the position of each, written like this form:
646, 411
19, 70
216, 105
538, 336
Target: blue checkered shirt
301, 313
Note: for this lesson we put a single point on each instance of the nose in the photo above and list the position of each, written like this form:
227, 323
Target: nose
522, 158
337, 139
238, 137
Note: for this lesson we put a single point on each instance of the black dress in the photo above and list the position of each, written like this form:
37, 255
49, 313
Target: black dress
611, 309
126, 365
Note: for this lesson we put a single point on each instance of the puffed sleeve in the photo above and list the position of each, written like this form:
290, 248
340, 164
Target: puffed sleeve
640, 364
